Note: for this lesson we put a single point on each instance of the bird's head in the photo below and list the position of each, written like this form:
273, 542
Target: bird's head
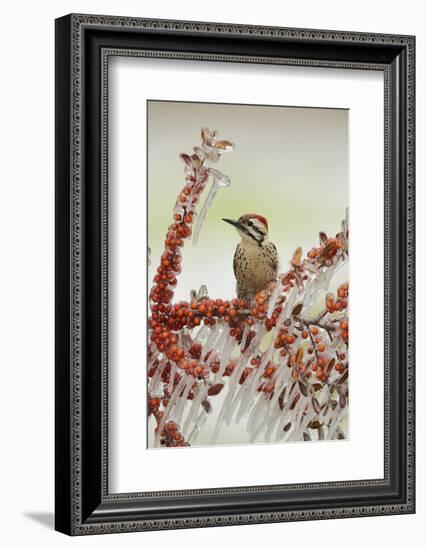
251, 227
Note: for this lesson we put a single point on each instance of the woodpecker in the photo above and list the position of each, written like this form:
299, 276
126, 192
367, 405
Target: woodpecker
256, 257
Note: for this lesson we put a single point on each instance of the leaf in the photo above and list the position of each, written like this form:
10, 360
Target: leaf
207, 406
330, 365
295, 400
287, 427
297, 310
214, 390
344, 377
342, 400
299, 355
281, 399
196, 161
315, 424
287, 278
202, 293
329, 249
297, 257
186, 159
316, 386
205, 135
316, 405
303, 388
323, 238
224, 144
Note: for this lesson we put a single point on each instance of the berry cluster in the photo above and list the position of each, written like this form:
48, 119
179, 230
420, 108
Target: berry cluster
340, 303
171, 436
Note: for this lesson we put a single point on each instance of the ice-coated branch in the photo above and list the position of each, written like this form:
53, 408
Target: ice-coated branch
279, 367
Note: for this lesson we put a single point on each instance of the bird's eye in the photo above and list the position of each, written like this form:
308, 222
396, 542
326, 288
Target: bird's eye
249, 223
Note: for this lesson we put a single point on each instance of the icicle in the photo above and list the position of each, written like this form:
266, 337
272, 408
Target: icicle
281, 382
297, 418
244, 396
311, 294
228, 347
271, 426
328, 276
273, 299
171, 378
240, 400
201, 420
232, 385
291, 395
153, 385
271, 402
202, 334
244, 337
306, 417
327, 419
254, 379
209, 345
340, 432
219, 180
172, 401
233, 381
195, 407
218, 344
288, 306
335, 422
182, 400
251, 421
258, 424
186, 339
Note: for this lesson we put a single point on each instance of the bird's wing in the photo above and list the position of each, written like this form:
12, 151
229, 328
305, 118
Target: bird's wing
236, 255
272, 256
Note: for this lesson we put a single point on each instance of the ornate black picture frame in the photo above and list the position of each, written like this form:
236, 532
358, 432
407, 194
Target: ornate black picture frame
83, 45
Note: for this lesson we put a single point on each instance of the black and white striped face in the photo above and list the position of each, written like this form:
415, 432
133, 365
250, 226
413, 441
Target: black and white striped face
251, 227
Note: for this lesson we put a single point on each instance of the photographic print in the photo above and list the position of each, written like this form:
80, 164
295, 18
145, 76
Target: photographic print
203, 204
248, 271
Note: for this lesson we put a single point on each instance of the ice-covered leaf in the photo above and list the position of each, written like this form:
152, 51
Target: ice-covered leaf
214, 390
224, 144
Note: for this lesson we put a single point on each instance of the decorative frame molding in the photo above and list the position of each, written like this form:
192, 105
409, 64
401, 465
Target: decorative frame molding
84, 44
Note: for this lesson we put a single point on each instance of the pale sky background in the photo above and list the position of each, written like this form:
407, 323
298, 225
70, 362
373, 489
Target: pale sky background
290, 165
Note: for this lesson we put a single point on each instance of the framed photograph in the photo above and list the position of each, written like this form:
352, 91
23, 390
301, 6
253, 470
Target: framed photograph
234, 274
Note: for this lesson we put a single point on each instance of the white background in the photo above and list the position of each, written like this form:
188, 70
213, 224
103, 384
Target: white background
361, 457
26, 218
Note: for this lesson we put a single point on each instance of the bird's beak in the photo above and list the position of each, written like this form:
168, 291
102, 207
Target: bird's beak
235, 223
